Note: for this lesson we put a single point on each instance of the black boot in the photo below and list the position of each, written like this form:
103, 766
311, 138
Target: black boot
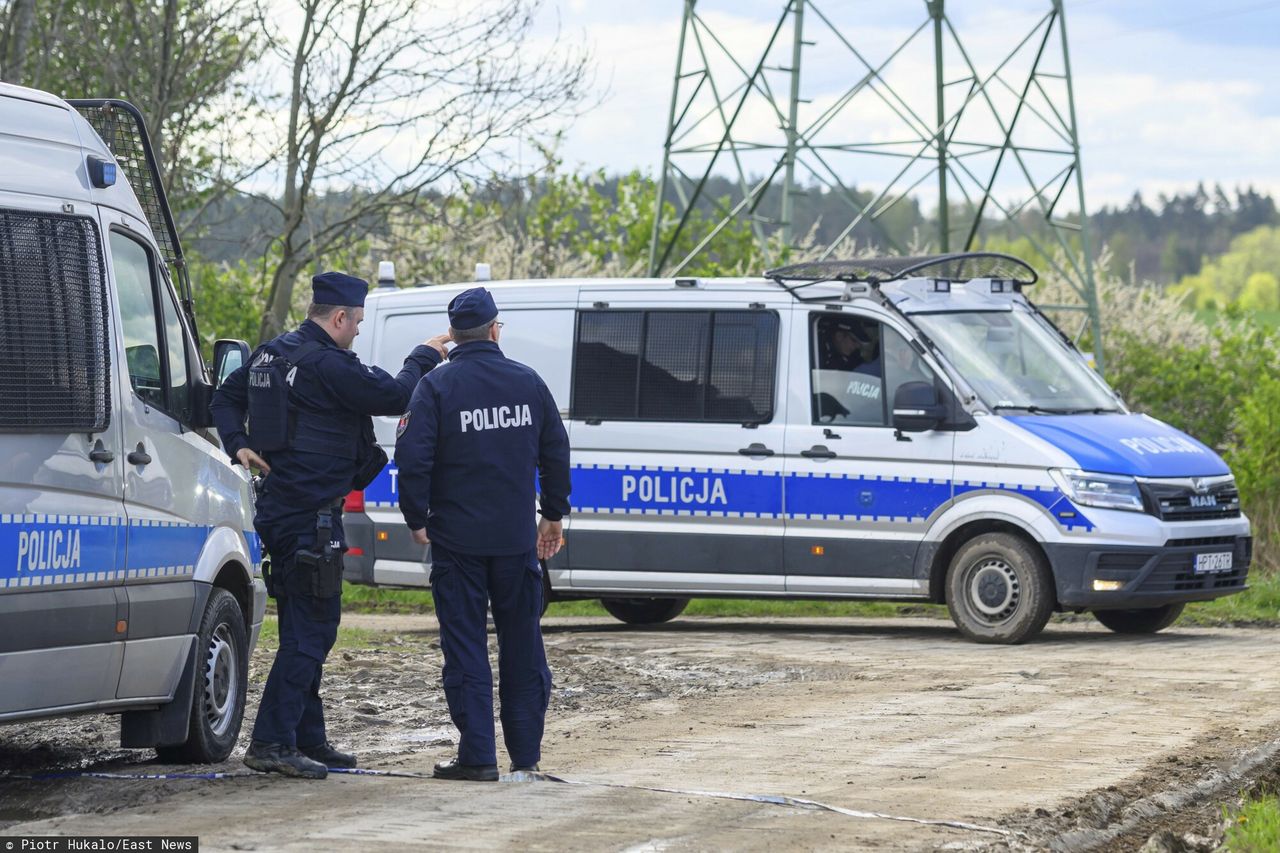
278, 758
451, 769
526, 768
328, 756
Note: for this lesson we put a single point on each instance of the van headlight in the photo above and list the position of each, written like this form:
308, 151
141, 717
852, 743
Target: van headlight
1110, 491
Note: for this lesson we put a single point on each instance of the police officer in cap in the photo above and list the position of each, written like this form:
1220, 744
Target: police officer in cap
478, 430
299, 411
844, 344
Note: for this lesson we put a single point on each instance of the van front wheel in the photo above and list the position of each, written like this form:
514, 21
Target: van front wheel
645, 611
221, 682
1144, 621
999, 589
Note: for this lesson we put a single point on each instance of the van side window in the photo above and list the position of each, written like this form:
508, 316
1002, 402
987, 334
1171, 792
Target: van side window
675, 366
847, 370
55, 368
139, 318
178, 389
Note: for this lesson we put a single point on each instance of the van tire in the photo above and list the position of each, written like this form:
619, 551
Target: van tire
999, 589
1147, 620
645, 611
217, 702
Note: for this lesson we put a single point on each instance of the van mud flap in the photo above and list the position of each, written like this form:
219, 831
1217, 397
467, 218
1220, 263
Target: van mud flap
168, 725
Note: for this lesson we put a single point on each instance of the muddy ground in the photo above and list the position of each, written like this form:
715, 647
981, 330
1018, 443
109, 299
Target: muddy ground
1082, 740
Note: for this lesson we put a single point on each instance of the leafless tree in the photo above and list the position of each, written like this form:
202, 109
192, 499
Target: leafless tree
384, 99
178, 61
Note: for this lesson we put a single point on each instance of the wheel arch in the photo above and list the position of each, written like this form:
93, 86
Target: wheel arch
939, 560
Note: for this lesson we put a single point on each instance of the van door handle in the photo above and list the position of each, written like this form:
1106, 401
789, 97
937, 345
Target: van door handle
139, 456
100, 454
755, 449
818, 451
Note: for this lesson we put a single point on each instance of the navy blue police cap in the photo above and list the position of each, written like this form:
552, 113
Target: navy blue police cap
338, 288
471, 309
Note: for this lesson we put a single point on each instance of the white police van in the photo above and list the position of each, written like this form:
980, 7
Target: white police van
910, 429
128, 570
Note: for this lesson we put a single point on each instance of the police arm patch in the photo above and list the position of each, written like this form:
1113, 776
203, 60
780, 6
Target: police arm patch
403, 425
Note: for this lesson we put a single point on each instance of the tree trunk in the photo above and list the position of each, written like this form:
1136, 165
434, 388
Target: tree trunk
13, 65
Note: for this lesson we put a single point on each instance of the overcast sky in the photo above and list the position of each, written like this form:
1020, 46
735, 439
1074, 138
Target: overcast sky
1168, 92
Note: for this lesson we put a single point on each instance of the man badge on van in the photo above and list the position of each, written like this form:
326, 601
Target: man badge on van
403, 425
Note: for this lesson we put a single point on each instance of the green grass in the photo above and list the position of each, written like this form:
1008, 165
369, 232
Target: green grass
1260, 604
1255, 827
348, 638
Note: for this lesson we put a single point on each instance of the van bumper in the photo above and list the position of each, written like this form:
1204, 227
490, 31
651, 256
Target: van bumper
1149, 576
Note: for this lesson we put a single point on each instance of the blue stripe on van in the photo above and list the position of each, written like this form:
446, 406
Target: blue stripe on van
39, 550
749, 494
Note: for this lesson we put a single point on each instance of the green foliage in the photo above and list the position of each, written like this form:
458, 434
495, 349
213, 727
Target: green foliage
1194, 387
1255, 827
1245, 276
229, 300
1257, 605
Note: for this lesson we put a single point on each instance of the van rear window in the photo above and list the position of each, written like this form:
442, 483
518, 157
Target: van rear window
678, 366
55, 371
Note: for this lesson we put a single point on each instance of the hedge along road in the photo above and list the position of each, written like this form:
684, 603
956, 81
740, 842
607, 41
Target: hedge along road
900, 717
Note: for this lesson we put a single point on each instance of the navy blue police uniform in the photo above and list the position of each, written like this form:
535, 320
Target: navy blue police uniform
481, 433
326, 441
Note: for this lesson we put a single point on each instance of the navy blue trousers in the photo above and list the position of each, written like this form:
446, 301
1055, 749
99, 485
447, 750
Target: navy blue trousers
464, 587
290, 712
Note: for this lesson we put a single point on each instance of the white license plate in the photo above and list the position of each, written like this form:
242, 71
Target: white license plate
1208, 563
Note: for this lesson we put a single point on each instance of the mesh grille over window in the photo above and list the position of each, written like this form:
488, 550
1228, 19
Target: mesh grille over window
54, 353
697, 366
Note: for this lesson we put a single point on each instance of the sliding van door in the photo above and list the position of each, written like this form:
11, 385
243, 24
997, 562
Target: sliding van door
61, 509
677, 440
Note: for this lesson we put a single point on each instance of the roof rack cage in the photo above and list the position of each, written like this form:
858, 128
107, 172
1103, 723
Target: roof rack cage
958, 266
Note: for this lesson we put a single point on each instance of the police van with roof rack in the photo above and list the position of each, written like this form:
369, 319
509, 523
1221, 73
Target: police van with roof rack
908, 429
129, 572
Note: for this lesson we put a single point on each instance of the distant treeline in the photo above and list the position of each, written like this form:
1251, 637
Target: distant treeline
1162, 241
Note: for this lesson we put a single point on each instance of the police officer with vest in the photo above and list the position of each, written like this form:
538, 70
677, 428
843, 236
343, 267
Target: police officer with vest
300, 412
478, 430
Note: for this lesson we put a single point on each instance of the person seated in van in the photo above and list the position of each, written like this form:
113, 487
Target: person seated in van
845, 346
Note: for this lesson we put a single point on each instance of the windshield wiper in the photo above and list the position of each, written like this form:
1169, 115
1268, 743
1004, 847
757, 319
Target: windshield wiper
1045, 410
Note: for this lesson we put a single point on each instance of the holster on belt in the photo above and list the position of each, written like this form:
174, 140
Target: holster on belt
319, 569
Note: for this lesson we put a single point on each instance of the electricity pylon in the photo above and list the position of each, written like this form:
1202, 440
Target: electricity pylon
986, 130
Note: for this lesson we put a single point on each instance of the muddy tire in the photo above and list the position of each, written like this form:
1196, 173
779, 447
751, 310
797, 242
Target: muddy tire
222, 677
1146, 620
645, 611
999, 589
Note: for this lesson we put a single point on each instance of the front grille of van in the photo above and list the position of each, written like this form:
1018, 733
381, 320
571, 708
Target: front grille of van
1179, 500
54, 355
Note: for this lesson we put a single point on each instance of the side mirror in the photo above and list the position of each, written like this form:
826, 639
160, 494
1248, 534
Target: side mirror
916, 407
228, 356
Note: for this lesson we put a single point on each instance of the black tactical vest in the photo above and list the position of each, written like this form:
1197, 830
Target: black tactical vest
271, 424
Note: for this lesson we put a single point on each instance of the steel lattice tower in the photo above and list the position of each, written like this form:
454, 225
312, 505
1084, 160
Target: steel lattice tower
987, 127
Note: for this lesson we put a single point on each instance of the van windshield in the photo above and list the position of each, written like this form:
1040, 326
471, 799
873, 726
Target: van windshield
1014, 363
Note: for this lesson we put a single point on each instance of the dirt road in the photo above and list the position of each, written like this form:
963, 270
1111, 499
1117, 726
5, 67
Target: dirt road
1081, 740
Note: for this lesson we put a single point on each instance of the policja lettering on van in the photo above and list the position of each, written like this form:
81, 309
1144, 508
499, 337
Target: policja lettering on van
495, 417
1143, 445
673, 489
49, 549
